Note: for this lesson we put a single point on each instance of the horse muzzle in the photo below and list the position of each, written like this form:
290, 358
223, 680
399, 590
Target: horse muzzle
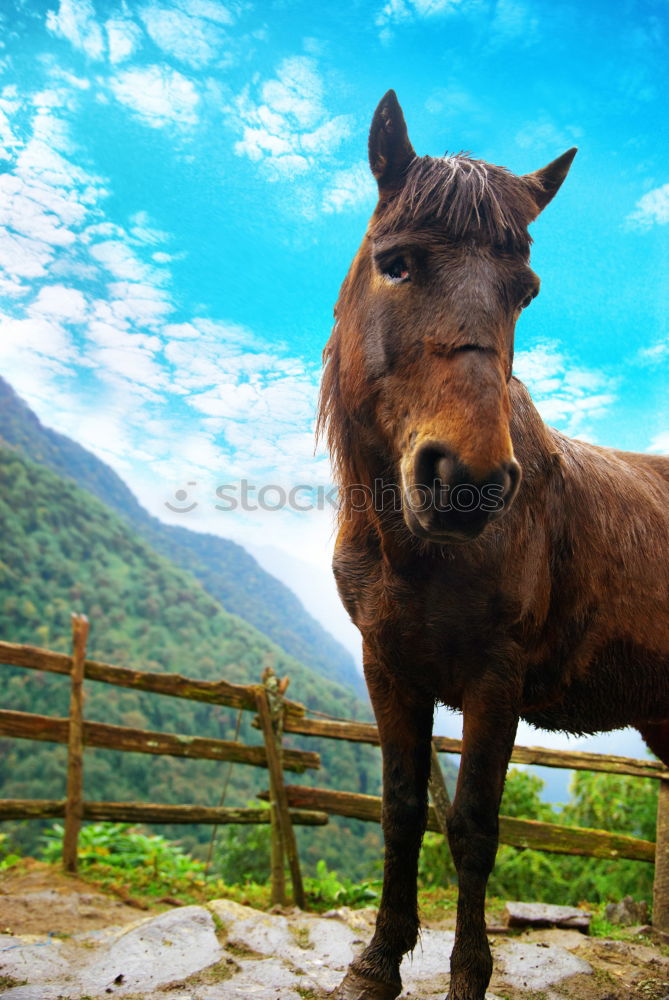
444, 502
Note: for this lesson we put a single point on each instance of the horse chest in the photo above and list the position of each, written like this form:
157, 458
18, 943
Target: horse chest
428, 628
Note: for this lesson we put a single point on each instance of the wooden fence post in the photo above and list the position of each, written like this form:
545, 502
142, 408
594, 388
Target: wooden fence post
441, 800
270, 710
75, 800
661, 882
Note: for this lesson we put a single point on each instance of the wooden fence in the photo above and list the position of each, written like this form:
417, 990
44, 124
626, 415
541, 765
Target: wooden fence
289, 804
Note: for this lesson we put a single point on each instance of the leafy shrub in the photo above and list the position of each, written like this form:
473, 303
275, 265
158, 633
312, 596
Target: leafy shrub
7, 855
600, 801
120, 846
326, 889
243, 854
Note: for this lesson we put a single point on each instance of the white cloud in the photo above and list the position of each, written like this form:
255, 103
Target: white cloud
23, 341
139, 303
655, 354
652, 208
120, 260
398, 11
287, 127
507, 21
44, 202
9, 142
350, 189
660, 444
75, 20
60, 303
568, 397
131, 362
158, 95
211, 10
513, 21
186, 30
123, 38
545, 134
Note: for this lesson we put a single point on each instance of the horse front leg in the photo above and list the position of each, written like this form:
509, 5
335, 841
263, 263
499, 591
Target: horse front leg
489, 730
405, 731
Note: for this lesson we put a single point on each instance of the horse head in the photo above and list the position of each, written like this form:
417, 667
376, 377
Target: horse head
422, 349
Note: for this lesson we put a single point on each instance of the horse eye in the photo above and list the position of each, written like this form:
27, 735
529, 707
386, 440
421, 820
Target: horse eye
396, 271
526, 301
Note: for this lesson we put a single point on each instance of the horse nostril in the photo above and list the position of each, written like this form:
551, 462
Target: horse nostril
512, 477
445, 467
434, 465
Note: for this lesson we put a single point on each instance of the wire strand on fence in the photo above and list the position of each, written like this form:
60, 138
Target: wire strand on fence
214, 829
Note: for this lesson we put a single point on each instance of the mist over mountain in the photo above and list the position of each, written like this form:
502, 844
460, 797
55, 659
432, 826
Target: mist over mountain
225, 569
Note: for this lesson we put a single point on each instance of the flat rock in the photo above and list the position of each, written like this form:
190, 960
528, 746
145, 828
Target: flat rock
156, 951
304, 941
546, 915
38, 960
267, 979
532, 967
147, 955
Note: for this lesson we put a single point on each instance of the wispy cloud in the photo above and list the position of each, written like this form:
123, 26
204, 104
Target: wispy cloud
651, 209
158, 95
124, 37
285, 125
660, 444
395, 12
568, 396
505, 21
350, 189
189, 30
544, 134
513, 21
9, 104
76, 21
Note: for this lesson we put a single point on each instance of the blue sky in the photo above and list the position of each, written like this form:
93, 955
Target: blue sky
184, 183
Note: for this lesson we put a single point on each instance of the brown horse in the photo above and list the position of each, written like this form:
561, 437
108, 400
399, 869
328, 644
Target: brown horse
495, 566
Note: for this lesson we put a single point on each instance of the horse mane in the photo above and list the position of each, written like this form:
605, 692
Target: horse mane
468, 197
335, 424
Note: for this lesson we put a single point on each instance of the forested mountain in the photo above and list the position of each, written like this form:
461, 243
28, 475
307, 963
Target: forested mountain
61, 550
225, 570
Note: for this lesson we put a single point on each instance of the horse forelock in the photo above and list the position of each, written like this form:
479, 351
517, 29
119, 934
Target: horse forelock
466, 197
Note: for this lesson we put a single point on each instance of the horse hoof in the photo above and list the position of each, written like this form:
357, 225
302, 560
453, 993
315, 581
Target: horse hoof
355, 986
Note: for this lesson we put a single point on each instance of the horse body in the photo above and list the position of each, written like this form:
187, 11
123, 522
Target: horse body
545, 599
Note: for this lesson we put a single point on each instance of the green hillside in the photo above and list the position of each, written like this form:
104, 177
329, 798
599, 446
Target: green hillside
61, 550
225, 570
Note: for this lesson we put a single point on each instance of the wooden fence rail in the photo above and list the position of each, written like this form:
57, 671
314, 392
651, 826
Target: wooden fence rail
290, 805
140, 812
214, 692
527, 833
46, 728
572, 760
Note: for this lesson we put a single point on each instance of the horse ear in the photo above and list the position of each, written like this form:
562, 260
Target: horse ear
390, 149
545, 183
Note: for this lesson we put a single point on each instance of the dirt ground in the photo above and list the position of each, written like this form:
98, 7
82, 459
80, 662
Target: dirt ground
38, 901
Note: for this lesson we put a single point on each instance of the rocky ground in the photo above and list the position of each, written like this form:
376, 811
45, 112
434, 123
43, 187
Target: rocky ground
61, 940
